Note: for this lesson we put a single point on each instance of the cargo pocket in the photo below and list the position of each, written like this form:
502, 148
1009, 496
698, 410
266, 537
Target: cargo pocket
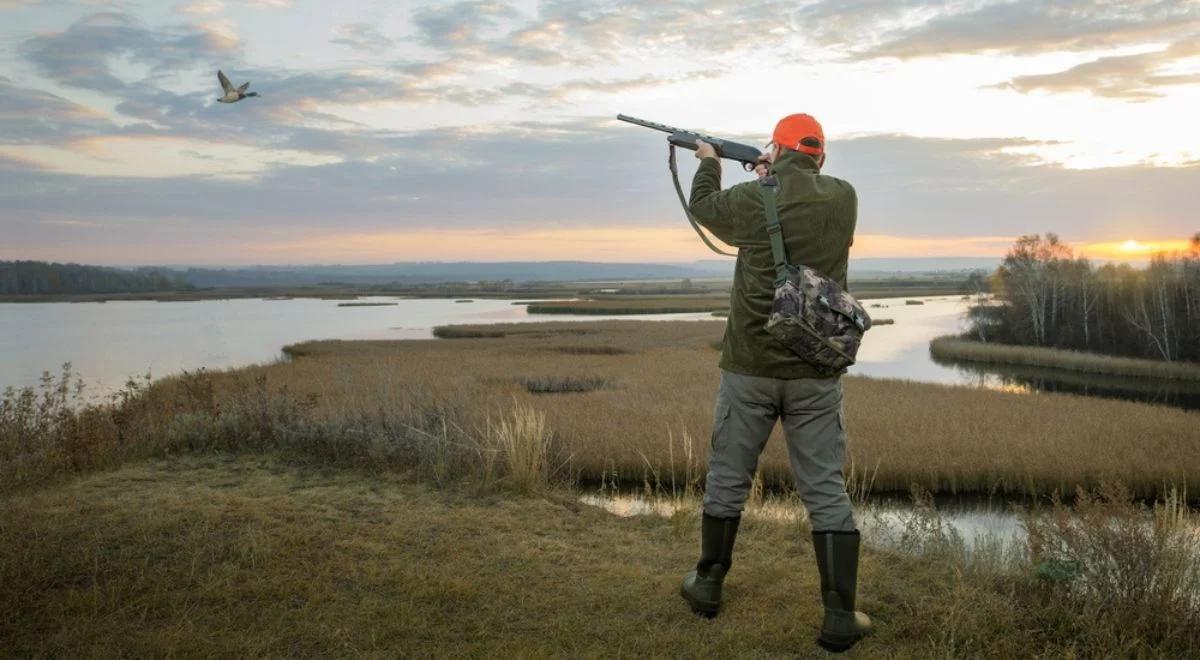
720, 418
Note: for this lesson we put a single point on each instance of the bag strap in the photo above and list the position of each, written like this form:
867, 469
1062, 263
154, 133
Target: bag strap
767, 185
687, 211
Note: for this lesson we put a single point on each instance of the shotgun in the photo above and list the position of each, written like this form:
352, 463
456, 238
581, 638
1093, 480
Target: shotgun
743, 153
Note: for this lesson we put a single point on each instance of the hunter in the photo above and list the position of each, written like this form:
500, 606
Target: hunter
762, 381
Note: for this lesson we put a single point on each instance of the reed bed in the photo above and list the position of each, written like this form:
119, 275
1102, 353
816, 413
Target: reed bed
958, 348
945, 439
633, 305
619, 412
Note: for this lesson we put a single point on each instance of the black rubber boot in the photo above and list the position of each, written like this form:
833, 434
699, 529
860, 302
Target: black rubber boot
702, 587
837, 560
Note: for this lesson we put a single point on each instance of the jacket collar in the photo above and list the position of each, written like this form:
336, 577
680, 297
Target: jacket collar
794, 161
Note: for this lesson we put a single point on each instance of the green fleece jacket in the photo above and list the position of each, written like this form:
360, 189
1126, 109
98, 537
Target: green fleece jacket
817, 213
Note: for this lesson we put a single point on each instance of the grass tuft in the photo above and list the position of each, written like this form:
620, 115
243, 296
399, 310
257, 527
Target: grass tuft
564, 385
525, 446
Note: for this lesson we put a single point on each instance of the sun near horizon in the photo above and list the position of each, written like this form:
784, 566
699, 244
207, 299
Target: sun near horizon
1133, 249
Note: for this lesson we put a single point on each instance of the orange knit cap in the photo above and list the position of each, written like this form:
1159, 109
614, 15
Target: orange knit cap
800, 132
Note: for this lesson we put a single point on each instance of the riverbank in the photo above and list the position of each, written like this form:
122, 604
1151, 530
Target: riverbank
228, 555
959, 348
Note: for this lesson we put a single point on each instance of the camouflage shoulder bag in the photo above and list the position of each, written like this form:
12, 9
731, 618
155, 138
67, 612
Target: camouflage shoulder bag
811, 314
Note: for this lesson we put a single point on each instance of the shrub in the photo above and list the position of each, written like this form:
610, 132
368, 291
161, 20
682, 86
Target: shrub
590, 350
566, 385
459, 332
1121, 565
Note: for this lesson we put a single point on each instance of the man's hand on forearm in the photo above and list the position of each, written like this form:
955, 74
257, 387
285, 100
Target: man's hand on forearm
705, 150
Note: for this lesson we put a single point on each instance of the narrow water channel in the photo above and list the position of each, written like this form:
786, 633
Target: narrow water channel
886, 521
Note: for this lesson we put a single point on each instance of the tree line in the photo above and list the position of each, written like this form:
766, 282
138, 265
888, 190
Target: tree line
40, 277
1044, 296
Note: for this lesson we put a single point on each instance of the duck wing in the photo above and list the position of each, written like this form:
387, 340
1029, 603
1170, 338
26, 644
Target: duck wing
243, 87
225, 84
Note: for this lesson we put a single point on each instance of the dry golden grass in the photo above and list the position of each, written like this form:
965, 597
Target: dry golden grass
627, 401
661, 390
957, 348
225, 556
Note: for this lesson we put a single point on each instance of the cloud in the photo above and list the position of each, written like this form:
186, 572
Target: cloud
1036, 27
82, 55
559, 92
29, 116
1139, 77
362, 36
586, 174
588, 32
201, 7
460, 24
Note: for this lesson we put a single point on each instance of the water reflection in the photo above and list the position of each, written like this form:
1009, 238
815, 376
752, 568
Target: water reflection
1180, 394
885, 522
901, 350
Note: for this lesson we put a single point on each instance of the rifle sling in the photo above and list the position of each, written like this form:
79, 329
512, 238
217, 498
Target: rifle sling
687, 211
767, 185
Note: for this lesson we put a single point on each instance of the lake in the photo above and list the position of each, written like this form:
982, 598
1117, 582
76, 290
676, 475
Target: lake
107, 343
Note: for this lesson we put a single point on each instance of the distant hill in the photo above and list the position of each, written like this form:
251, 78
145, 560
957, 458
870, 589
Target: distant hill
924, 264
32, 277
436, 272
524, 271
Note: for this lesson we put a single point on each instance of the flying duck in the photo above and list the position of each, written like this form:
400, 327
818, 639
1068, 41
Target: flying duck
232, 94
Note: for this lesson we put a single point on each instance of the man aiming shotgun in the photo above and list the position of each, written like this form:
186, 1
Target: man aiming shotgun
792, 215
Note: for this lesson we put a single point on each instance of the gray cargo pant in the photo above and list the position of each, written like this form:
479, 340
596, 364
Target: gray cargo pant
811, 411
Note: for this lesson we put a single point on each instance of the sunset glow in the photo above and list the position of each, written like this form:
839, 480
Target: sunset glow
1131, 250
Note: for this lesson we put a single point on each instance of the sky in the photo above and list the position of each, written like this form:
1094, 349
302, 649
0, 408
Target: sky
484, 130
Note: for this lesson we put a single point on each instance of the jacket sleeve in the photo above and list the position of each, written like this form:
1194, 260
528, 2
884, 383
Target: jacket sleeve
710, 205
853, 212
